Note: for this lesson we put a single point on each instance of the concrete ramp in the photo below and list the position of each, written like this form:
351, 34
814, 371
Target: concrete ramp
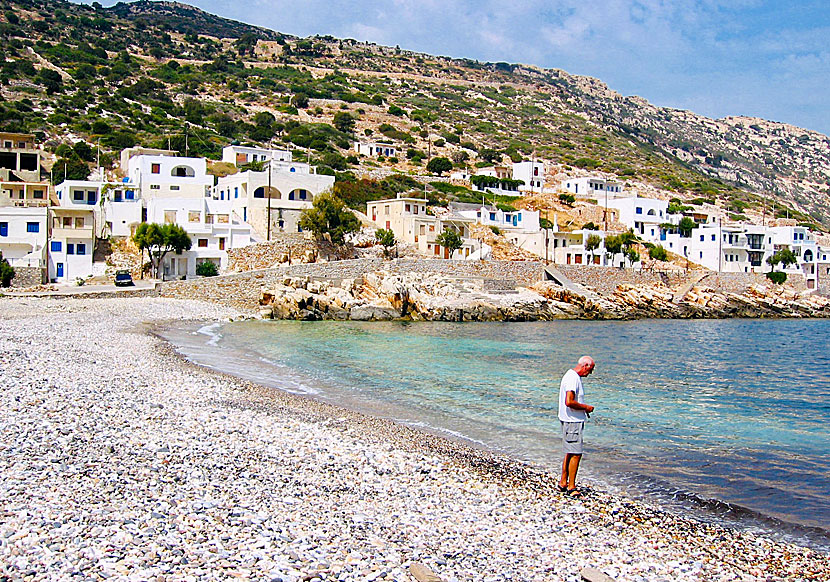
681, 293
555, 275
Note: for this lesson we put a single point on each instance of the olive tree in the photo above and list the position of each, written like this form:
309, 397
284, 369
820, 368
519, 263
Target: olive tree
591, 244
439, 165
385, 238
329, 215
450, 240
160, 239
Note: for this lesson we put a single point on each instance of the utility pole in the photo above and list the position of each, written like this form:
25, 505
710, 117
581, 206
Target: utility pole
605, 214
268, 212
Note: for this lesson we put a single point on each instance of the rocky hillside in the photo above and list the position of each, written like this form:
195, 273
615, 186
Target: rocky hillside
167, 74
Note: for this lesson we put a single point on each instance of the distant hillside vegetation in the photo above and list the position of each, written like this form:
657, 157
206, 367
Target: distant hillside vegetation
167, 74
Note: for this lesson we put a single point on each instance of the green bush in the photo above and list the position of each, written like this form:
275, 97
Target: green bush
6, 272
207, 269
658, 253
777, 277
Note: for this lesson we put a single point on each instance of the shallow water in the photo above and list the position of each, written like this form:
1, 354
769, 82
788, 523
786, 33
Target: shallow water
728, 419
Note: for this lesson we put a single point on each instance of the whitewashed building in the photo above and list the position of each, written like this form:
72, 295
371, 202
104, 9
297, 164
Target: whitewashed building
594, 187
290, 189
374, 149
72, 239
643, 215
239, 155
162, 176
212, 227
23, 235
119, 212
532, 174
521, 219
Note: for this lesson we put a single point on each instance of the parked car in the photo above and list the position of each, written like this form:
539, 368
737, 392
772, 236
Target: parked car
123, 279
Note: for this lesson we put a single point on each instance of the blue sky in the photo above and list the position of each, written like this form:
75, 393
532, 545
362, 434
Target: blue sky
715, 57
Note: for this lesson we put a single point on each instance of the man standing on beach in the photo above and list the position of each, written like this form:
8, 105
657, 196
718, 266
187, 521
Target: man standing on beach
573, 412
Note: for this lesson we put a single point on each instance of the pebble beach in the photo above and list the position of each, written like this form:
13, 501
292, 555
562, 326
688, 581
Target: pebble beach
122, 461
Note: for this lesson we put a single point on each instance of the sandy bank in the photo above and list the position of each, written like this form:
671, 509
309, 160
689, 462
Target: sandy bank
122, 461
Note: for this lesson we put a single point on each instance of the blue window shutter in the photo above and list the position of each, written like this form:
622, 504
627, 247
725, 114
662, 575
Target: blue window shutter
81, 249
56, 246
70, 249
4, 229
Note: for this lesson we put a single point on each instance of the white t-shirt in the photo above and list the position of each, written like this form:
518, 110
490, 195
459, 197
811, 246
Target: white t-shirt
571, 382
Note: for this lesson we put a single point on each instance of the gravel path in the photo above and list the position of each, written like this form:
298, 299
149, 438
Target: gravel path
121, 461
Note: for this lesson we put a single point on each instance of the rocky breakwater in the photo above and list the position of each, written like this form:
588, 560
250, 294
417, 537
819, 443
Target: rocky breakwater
382, 295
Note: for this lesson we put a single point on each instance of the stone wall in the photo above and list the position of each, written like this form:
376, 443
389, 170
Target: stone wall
740, 282
28, 277
243, 290
522, 272
604, 280
266, 254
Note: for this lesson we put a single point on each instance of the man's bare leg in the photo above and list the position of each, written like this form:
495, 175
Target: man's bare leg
563, 481
573, 467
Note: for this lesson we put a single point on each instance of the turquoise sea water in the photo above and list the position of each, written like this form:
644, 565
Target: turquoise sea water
728, 419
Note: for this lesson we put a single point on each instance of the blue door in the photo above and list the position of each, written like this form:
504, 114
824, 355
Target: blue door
60, 270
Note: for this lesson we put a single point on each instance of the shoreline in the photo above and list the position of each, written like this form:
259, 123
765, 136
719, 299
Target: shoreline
604, 475
466, 513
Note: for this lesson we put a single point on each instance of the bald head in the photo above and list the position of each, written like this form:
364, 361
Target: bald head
584, 366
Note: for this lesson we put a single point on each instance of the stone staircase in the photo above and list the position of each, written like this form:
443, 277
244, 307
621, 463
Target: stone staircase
555, 275
684, 290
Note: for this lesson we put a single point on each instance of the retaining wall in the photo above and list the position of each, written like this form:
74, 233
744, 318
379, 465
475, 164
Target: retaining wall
604, 280
28, 277
243, 290
264, 255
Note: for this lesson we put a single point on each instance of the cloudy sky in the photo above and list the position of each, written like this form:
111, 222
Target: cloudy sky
761, 58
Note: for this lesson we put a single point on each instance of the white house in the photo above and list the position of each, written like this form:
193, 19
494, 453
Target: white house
643, 215
532, 174
523, 219
375, 149
161, 176
593, 187
23, 235
71, 241
408, 219
212, 227
803, 244
293, 187
239, 155
120, 211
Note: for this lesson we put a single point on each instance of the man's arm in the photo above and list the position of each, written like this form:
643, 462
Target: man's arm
570, 402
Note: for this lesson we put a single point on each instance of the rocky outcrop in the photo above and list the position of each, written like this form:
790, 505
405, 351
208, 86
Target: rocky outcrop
384, 295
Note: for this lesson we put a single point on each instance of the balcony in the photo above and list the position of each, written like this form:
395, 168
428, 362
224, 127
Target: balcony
67, 233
